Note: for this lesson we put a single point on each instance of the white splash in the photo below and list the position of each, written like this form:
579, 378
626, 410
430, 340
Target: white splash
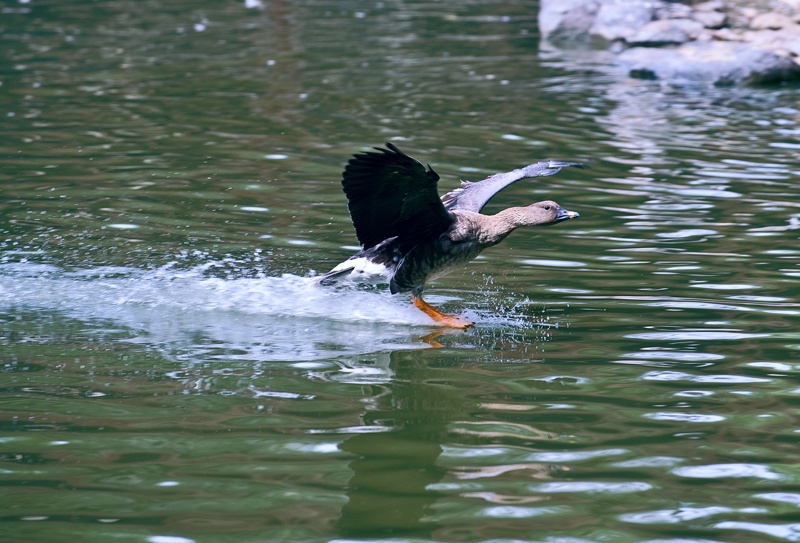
191, 314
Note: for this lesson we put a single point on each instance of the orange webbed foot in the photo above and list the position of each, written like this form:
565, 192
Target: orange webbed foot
452, 321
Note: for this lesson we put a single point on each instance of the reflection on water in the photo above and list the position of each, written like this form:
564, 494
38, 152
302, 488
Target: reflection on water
169, 373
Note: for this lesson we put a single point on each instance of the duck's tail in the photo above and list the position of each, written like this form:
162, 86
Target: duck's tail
334, 276
373, 266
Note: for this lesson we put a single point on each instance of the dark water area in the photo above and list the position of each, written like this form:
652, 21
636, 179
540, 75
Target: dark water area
169, 186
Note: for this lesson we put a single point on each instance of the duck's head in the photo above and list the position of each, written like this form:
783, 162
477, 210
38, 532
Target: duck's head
546, 213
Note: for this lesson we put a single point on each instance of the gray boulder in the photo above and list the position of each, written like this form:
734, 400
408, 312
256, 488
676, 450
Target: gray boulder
714, 63
786, 39
710, 18
666, 32
620, 19
567, 20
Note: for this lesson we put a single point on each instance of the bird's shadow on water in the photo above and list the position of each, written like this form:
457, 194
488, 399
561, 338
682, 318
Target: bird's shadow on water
190, 313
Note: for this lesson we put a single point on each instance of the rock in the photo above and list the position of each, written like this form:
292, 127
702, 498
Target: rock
719, 41
771, 21
786, 39
791, 6
620, 19
672, 10
727, 34
567, 20
717, 63
711, 5
749, 12
710, 19
666, 32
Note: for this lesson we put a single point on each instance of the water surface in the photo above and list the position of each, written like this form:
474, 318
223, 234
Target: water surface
169, 188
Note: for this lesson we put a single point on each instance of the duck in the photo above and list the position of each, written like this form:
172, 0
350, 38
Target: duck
411, 236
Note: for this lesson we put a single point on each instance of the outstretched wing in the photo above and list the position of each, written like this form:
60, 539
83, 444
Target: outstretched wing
473, 196
391, 194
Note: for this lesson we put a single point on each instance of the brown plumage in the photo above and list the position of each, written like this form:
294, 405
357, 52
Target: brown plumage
411, 236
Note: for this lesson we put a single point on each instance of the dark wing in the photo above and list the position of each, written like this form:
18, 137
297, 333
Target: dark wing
390, 194
473, 196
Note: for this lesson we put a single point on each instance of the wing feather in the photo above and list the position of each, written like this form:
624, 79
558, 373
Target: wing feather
473, 196
391, 194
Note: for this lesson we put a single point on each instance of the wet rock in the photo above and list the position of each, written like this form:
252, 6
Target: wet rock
727, 34
710, 19
749, 12
672, 10
711, 5
771, 21
666, 32
567, 20
792, 5
786, 40
621, 19
715, 63
721, 41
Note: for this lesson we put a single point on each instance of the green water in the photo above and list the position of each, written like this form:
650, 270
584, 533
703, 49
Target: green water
169, 183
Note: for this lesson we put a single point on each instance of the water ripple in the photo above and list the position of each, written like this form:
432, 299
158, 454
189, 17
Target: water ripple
712, 379
684, 417
784, 497
787, 532
573, 456
674, 516
690, 335
589, 487
679, 356
516, 511
717, 471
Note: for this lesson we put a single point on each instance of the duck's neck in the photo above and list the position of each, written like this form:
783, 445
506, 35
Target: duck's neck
496, 227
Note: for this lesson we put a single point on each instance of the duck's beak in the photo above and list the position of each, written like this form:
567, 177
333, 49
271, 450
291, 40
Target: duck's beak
564, 214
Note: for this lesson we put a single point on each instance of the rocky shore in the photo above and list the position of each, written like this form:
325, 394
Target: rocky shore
718, 42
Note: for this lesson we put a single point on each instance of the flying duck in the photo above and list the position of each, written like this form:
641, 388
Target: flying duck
411, 236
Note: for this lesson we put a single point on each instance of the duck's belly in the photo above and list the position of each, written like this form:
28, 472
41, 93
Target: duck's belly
431, 261
443, 264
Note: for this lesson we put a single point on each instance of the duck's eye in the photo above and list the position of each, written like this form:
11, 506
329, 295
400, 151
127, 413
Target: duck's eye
547, 208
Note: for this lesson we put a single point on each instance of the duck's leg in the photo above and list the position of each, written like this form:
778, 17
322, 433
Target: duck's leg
453, 321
